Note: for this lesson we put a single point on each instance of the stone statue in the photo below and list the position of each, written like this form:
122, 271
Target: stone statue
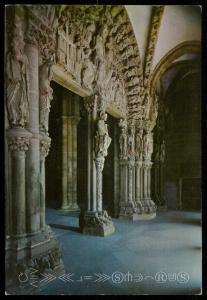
17, 88
123, 139
139, 143
103, 139
147, 146
46, 92
88, 70
162, 152
131, 142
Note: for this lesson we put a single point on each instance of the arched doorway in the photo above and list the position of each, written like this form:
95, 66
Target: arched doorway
177, 147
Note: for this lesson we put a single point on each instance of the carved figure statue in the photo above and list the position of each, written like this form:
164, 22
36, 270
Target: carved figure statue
147, 146
162, 152
139, 143
123, 138
17, 79
46, 91
103, 139
131, 142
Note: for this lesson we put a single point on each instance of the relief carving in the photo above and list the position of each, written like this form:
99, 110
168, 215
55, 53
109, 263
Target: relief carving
17, 82
147, 146
102, 138
46, 92
139, 144
123, 139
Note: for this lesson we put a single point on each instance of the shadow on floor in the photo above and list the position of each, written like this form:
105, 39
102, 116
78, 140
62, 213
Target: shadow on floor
65, 227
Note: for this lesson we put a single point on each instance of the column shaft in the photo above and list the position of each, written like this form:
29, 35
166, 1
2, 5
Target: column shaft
18, 193
33, 155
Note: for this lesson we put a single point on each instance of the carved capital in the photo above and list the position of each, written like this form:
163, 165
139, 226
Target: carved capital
18, 143
44, 147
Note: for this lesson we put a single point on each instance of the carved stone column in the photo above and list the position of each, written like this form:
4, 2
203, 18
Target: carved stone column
36, 246
45, 142
127, 155
18, 143
95, 221
147, 207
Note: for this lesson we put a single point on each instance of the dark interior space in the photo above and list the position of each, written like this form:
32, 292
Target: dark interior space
53, 160
182, 167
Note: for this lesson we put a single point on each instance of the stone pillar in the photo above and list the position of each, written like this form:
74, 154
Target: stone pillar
18, 142
95, 221
127, 179
33, 155
65, 170
72, 162
45, 142
138, 183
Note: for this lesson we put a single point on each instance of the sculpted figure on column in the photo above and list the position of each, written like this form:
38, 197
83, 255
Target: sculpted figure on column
139, 144
123, 139
131, 142
147, 145
103, 139
45, 76
17, 79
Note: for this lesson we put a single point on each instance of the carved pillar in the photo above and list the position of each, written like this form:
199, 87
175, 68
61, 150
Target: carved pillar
31, 243
95, 221
45, 142
18, 142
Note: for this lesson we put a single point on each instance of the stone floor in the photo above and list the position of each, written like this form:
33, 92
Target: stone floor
159, 256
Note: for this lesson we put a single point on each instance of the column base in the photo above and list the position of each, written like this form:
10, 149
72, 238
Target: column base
32, 262
96, 223
141, 210
70, 208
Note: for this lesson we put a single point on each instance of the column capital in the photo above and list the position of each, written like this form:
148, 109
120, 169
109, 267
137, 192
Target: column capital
45, 143
74, 119
18, 139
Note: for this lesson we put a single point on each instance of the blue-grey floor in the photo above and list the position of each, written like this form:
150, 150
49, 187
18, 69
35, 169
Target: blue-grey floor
159, 256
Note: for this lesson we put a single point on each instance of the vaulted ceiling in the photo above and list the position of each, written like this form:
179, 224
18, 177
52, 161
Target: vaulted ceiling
179, 23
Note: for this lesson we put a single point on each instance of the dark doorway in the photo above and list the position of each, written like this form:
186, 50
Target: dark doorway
53, 161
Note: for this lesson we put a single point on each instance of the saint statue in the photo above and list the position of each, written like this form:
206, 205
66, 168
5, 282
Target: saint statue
46, 92
103, 139
17, 80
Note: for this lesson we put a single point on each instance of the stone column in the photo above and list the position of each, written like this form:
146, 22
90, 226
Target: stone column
18, 142
138, 194
33, 155
72, 162
65, 170
45, 142
95, 221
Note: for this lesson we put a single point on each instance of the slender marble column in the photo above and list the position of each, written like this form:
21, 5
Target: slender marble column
33, 155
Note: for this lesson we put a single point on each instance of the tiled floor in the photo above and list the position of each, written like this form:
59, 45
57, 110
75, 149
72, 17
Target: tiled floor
133, 258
